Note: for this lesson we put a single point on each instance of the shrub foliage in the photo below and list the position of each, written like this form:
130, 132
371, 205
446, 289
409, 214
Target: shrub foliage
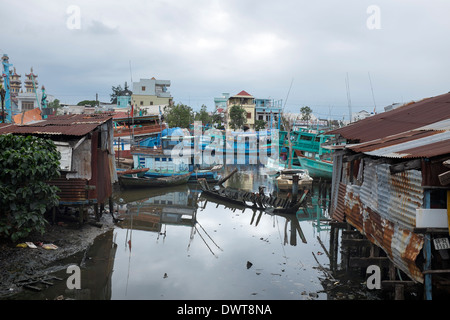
27, 163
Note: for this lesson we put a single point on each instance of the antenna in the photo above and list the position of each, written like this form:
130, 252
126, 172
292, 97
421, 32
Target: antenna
373, 97
131, 74
348, 98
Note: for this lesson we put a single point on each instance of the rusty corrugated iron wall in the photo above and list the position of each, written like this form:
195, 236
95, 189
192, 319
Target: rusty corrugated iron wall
382, 207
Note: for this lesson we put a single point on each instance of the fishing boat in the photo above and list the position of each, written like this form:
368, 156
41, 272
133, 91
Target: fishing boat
175, 156
255, 200
144, 182
308, 150
319, 168
131, 172
285, 180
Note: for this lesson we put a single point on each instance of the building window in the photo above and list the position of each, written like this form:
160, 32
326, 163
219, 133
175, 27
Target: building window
143, 88
142, 103
249, 115
151, 103
27, 105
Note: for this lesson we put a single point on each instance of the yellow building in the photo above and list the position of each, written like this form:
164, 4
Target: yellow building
247, 101
150, 92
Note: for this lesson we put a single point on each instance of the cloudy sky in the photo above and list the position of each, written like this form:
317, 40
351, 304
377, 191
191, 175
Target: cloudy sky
296, 51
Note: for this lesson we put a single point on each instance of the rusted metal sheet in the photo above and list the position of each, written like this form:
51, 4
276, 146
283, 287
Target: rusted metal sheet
383, 209
408, 145
401, 119
72, 125
338, 213
72, 191
402, 246
395, 197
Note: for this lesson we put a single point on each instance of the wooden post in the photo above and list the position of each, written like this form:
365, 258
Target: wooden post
448, 210
295, 179
399, 292
427, 251
96, 211
427, 266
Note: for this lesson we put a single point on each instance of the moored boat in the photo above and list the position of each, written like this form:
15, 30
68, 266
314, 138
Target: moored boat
143, 182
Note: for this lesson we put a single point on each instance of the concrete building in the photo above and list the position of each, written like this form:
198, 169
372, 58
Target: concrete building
247, 101
149, 92
268, 110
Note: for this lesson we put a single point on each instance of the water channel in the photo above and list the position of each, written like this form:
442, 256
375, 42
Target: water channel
175, 244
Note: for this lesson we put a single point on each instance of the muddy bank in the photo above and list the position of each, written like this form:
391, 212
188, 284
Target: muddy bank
18, 264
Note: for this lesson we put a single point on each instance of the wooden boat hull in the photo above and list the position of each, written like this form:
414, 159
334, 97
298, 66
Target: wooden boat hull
136, 182
130, 172
252, 200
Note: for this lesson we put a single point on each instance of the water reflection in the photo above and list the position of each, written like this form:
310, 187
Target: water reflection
180, 244
176, 243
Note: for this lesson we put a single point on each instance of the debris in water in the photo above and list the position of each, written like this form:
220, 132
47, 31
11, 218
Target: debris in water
249, 264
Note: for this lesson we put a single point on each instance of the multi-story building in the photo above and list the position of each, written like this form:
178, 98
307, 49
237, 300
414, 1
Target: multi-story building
246, 101
150, 92
267, 110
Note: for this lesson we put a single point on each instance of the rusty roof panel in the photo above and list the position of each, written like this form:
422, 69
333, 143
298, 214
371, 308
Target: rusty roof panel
72, 125
405, 118
410, 144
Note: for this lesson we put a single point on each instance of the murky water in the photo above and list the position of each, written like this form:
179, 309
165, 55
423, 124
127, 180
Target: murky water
174, 243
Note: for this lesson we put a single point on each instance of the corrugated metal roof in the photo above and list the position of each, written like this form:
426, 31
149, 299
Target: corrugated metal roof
72, 125
411, 144
408, 117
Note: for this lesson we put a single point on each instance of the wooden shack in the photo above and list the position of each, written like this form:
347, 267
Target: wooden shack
87, 165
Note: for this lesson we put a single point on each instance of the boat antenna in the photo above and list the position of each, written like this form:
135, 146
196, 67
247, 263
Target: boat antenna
287, 126
373, 96
131, 74
348, 98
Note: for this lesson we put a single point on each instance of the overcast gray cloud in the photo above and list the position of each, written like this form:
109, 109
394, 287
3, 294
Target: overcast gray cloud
206, 47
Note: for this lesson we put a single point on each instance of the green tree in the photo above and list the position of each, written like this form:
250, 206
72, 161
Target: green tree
237, 117
260, 125
117, 91
178, 115
91, 103
217, 120
26, 164
203, 116
306, 113
54, 104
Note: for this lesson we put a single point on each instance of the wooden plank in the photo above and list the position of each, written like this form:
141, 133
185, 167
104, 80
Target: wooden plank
407, 165
392, 283
436, 271
444, 178
365, 262
356, 242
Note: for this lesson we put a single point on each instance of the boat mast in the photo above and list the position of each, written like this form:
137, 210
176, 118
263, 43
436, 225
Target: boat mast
348, 99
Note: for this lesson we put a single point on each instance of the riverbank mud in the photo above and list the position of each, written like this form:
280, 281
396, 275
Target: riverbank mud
20, 263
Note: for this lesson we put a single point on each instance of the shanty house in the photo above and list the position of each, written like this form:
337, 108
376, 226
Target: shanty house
391, 182
87, 165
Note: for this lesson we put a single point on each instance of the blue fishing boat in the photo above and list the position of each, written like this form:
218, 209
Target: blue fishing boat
308, 149
173, 155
